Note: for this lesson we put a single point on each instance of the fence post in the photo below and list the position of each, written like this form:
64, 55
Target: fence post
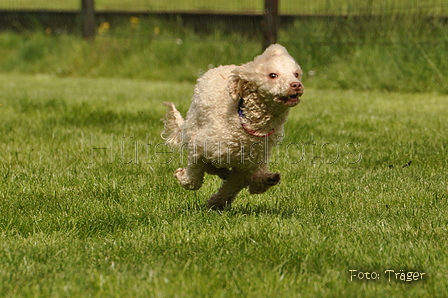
88, 19
270, 22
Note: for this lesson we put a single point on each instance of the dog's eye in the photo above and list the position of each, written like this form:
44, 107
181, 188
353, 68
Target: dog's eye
273, 75
296, 75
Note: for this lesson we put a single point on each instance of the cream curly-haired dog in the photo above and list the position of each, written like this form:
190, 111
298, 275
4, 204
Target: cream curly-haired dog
236, 115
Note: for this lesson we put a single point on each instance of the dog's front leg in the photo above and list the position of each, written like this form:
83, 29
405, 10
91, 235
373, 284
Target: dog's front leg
191, 177
222, 173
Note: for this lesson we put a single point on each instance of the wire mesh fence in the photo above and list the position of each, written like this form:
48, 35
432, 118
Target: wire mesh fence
332, 21
288, 7
12, 11
364, 44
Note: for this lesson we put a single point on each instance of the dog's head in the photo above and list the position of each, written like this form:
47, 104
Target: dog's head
274, 75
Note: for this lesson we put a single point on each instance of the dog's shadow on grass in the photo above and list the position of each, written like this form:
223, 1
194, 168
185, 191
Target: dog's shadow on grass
263, 209
258, 208
252, 209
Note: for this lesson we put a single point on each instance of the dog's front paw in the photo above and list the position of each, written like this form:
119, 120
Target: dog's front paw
185, 182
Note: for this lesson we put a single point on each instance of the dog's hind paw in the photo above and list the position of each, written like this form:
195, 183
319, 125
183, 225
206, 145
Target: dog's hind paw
261, 182
272, 179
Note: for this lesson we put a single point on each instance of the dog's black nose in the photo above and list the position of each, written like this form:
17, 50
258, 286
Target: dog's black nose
296, 86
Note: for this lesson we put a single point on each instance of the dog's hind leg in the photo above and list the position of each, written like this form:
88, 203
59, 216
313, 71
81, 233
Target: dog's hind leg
222, 173
191, 177
262, 180
229, 189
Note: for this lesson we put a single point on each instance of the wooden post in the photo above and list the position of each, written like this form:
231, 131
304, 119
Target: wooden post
88, 19
270, 22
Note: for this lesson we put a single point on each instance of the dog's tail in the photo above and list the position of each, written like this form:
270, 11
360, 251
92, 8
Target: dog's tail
172, 121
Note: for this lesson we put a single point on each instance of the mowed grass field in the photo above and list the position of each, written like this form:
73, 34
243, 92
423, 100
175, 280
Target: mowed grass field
89, 206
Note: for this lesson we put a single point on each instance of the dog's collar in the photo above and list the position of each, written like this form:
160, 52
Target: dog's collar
244, 125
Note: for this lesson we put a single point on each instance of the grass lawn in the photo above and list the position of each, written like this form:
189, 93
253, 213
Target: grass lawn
89, 206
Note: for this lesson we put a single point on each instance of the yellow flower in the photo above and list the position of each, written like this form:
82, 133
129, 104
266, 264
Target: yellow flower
134, 22
156, 30
104, 27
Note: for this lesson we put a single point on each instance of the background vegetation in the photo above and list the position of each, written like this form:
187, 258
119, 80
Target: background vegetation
387, 53
89, 207
387, 45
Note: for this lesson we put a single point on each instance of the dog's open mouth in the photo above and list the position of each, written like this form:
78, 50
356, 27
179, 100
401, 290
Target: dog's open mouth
291, 100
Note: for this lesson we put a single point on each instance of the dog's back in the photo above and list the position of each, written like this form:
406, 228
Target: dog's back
212, 111
211, 97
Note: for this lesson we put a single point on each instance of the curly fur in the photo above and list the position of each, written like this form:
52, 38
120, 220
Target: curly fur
235, 117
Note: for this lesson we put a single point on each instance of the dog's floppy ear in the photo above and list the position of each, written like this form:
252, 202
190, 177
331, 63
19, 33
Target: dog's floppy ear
236, 83
241, 82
